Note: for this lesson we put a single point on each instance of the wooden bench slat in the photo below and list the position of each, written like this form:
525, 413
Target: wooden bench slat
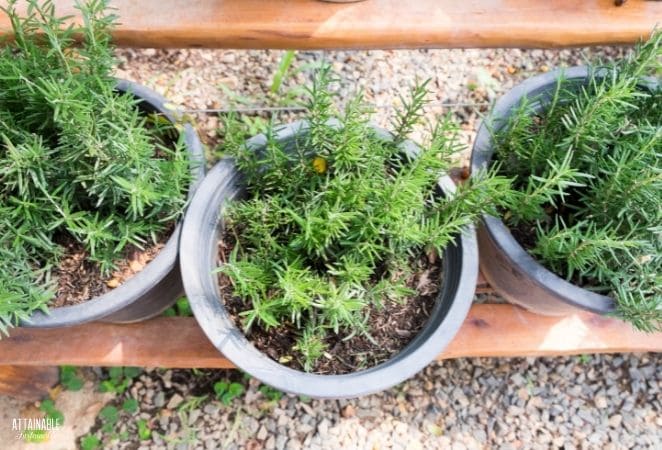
177, 342
311, 24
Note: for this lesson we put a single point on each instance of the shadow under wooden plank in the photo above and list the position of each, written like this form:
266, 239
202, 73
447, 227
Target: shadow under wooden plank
30, 383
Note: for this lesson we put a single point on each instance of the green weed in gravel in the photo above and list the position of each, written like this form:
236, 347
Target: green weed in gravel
181, 308
271, 394
119, 379
90, 442
69, 378
227, 391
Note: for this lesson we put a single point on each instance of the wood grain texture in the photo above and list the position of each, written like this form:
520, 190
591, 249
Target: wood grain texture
489, 330
30, 383
311, 24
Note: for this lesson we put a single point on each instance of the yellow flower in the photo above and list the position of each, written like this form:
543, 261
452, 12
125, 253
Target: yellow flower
319, 164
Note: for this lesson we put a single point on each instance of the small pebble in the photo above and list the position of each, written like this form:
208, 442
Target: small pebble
348, 411
175, 401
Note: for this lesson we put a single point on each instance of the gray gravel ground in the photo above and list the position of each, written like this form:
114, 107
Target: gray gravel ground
462, 82
567, 402
591, 402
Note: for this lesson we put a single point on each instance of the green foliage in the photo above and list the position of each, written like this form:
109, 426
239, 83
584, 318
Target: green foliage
585, 164
130, 405
226, 391
119, 379
69, 378
333, 218
311, 346
78, 160
110, 416
271, 394
48, 407
144, 432
192, 402
90, 442
283, 67
181, 308
117, 387
131, 372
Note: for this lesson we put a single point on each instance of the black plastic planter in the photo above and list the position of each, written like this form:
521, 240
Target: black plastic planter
203, 225
158, 285
508, 267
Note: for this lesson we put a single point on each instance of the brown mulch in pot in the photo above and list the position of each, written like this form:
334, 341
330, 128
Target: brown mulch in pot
80, 280
390, 327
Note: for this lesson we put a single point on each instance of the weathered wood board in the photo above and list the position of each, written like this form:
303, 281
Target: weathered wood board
384, 24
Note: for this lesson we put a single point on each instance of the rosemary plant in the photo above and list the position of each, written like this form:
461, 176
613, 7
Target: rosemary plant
78, 160
588, 182
330, 225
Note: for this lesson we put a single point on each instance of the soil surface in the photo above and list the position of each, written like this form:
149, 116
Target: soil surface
525, 235
391, 326
80, 280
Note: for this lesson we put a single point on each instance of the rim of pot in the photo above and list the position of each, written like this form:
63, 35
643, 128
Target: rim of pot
538, 88
165, 262
199, 244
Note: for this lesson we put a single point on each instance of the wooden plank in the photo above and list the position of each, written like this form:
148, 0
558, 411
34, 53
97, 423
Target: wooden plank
163, 342
504, 330
311, 24
490, 330
30, 383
